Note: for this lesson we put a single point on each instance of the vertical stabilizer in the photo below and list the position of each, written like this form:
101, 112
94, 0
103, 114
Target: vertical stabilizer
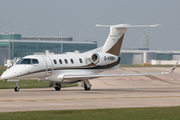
114, 41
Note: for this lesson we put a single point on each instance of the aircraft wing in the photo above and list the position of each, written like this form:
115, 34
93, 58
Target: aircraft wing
88, 76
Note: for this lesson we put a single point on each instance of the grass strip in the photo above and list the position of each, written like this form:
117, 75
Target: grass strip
31, 83
151, 113
2, 69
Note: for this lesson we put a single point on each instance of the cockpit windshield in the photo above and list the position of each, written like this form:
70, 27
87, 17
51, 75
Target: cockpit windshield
28, 61
19, 61
35, 61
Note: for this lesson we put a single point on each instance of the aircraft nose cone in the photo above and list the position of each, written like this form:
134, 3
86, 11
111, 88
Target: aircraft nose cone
4, 76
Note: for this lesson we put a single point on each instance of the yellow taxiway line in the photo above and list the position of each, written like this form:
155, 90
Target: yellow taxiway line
91, 98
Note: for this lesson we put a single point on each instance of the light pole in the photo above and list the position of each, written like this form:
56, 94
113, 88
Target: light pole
25, 32
79, 34
13, 24
145, 40
9, 32
13, 34
140, 37
87, 35
61, 37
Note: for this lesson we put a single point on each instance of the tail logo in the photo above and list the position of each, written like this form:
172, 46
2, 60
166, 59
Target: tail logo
115, 49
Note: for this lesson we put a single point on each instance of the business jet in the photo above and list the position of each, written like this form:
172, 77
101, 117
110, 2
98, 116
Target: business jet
75, 67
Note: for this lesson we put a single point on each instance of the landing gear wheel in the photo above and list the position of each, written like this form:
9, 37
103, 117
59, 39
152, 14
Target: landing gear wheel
16, 89
57, 86
86, 88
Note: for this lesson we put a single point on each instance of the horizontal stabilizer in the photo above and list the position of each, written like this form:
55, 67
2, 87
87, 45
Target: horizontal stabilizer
105, 26
127, 26
135, 26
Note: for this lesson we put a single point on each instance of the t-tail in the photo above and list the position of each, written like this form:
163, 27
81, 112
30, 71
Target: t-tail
114, 41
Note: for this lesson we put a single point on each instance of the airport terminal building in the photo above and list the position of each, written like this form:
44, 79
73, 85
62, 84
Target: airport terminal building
153, 57
22, 46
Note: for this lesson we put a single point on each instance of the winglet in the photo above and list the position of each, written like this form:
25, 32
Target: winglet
174, 67
172, 70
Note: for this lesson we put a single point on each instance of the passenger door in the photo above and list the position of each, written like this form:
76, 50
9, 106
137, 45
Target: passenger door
49, 65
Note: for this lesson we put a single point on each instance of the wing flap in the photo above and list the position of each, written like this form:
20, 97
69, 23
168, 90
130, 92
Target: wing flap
112, 75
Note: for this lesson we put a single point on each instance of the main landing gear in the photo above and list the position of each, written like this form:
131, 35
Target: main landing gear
16, 89
87, 85
57, 86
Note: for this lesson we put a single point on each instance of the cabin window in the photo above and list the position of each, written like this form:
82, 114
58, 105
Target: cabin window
26, 61
72, 61
66, 61
60, 61
35, 61
55, 62
80, 60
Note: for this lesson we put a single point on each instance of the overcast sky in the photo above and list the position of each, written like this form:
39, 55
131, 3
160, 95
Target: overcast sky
44, 18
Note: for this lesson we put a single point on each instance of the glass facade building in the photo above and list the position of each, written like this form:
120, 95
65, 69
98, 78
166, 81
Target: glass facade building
164, 56
29, 47
48, 38
11, 36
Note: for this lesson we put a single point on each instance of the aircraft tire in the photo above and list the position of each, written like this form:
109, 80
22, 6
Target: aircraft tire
86, 88
16, 89
57, 87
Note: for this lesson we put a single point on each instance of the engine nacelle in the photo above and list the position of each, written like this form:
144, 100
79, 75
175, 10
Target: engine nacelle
103, 58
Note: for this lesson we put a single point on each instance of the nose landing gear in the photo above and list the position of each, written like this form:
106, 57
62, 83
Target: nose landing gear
16, 89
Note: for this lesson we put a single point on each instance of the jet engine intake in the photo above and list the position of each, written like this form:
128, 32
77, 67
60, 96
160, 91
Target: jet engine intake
103, 58
95, 58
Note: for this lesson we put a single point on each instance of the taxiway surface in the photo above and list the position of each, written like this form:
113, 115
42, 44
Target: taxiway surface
105, 93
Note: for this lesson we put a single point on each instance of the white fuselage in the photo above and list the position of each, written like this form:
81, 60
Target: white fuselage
52, 68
